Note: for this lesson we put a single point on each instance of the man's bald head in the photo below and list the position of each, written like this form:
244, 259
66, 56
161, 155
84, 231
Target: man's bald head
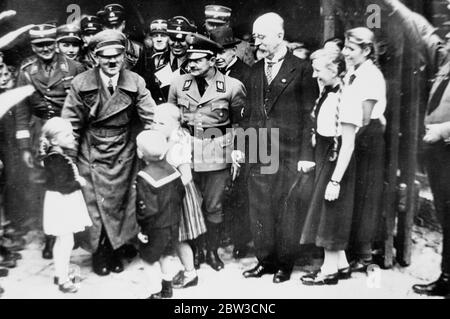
268, 31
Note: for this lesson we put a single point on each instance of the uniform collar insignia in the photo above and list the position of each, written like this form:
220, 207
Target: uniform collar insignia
187, 85
220, 85
34, 69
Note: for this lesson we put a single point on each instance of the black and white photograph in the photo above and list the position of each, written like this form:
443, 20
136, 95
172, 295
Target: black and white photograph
243, 152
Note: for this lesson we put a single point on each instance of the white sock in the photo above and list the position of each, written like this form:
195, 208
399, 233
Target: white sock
342, 260
61, 256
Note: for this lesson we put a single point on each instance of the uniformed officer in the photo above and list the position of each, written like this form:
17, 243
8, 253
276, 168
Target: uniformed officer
68, 38
220, 16
237, 221
156, 59
108, 106
113, 17
178, 28
51, 74
90, 26
209, 101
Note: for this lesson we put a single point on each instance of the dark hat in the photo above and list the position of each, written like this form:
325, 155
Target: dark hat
217, 14
180, 26
158, 26
43, 33
108, 42
224, 36
90, 25
200, 46
112, 14
68, 33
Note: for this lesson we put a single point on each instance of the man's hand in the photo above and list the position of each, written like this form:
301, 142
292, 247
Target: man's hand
332, 192
305, 166
237, 157
28, 158
433, 134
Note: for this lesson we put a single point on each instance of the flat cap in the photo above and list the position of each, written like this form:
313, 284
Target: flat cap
200, 46
42, 33
217, 14
68, 33
108, 42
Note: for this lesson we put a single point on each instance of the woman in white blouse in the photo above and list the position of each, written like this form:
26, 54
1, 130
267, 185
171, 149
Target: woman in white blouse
329, 217
365, 94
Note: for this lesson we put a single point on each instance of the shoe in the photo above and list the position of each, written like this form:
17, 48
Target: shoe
199, 257
68, 287
258, 271
345, 273
114, 263
180, 281
318, 279
240, 252
440, 287
3, 272
281, 276
166, 291
213, 259
155, 296
360, 265
47, 252
99, 264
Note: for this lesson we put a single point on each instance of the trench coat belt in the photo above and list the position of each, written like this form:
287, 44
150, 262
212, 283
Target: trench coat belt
107, 131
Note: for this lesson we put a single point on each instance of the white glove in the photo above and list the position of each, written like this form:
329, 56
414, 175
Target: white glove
305, 166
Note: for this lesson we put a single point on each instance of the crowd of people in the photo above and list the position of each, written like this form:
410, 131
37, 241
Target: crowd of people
117, 137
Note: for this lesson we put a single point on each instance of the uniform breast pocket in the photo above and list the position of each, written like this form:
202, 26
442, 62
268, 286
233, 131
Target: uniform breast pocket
220, 109
90, 98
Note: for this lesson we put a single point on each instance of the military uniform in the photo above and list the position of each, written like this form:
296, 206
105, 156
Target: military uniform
90, 25
207, 114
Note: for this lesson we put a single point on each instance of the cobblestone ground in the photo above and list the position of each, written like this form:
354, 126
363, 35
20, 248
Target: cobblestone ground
33, 278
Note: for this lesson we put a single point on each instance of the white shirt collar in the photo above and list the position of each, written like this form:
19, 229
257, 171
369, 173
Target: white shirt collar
106, 79
278, 55
231, 63
366, 64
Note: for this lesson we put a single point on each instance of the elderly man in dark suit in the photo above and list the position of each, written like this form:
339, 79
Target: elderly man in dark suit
281, 94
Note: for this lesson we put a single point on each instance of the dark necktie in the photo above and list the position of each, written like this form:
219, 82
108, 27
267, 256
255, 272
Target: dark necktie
437, 96
175, 64
49, 69
269, 75
110, 87
201, 83
351, 79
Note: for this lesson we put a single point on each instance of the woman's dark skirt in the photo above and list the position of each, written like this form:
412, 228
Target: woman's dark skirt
328, 223
370, 157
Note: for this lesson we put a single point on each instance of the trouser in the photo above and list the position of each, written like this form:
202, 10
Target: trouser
437, 161
212, 187
275, 225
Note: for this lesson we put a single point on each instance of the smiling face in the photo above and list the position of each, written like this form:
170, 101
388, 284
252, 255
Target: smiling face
354, 54
44, 50
5, 78
178, 46
69, 49
225, 57
111, 65
324, 72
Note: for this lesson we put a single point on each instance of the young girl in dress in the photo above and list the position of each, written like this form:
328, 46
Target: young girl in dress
365, 93
65, 211
329, 217
167, 119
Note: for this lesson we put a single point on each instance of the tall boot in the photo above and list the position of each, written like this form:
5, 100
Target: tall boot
212, 244
47, 253
197, 246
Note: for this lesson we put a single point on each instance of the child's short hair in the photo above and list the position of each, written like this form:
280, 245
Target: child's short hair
152, 144
50, 129
170, 109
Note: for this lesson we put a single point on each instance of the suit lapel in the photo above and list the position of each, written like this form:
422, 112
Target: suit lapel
213, 88
193, 90
443, 73
62, 68
282, 80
